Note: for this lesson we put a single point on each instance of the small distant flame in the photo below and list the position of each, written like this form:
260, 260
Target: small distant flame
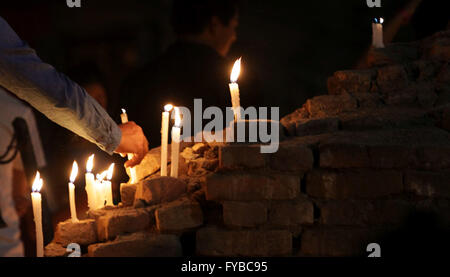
38, 182
378, 21
236, 71
74, 172
110, 172
90, 163
168, 107
124, 111
177, 117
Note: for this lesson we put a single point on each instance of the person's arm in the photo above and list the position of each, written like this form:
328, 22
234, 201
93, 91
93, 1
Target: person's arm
63, 101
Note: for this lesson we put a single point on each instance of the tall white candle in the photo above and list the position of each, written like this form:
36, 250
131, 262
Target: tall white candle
100, 190
234, 90
108, 186
176, 137
73, 175
165, 138
377, 33
90, 183
36, 199
133, 179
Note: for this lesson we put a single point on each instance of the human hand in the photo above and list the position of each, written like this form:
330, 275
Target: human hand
133, 142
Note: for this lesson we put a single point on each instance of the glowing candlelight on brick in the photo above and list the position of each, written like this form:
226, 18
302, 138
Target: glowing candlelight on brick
133, 179
234, 90
73, 175
36, 199
90, 183
165, 138
176, 137
377, 33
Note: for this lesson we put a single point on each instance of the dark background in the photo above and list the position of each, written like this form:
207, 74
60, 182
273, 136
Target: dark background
291, 47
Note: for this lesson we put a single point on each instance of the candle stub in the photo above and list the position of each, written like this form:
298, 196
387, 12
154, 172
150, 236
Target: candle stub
377, 33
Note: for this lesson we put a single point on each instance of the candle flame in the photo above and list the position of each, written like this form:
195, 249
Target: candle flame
168, 107
381, 20
90, 164
110, 172
101, 177
236, 71
124, 111
177, 117
74, 172
37, 184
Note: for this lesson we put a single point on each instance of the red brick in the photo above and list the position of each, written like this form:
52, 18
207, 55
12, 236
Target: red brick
356, 183
392, 78
343, 155
336, 242
138, 245
350, 81
122, 221
54, 249
127, 194
392, 156
364, 213
82, 232
244, 214
311, 127
433, 157
240, 186
180, 215
292, 157
291, 213
160, 190
330, 105
428, 184
212, 241
241, 156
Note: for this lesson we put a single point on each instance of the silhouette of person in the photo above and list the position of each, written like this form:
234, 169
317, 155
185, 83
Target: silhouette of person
195, 66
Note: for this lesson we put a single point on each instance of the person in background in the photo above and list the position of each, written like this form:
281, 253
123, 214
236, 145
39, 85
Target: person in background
195, 66
63, 101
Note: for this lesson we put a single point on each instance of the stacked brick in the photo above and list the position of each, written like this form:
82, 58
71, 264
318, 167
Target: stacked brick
354, 166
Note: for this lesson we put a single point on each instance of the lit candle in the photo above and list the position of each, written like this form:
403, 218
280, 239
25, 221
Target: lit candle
108, 186
90, 183
100, 190
36, 199
73, 175
234, 90
165, 138
176, 134
377, 33
133, 179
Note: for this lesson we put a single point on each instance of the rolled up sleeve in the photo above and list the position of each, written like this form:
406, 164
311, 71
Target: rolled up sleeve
60, 99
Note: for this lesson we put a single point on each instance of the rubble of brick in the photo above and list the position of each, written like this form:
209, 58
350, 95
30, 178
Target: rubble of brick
353, 165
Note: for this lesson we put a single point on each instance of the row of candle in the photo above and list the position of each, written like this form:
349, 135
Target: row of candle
98, 190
